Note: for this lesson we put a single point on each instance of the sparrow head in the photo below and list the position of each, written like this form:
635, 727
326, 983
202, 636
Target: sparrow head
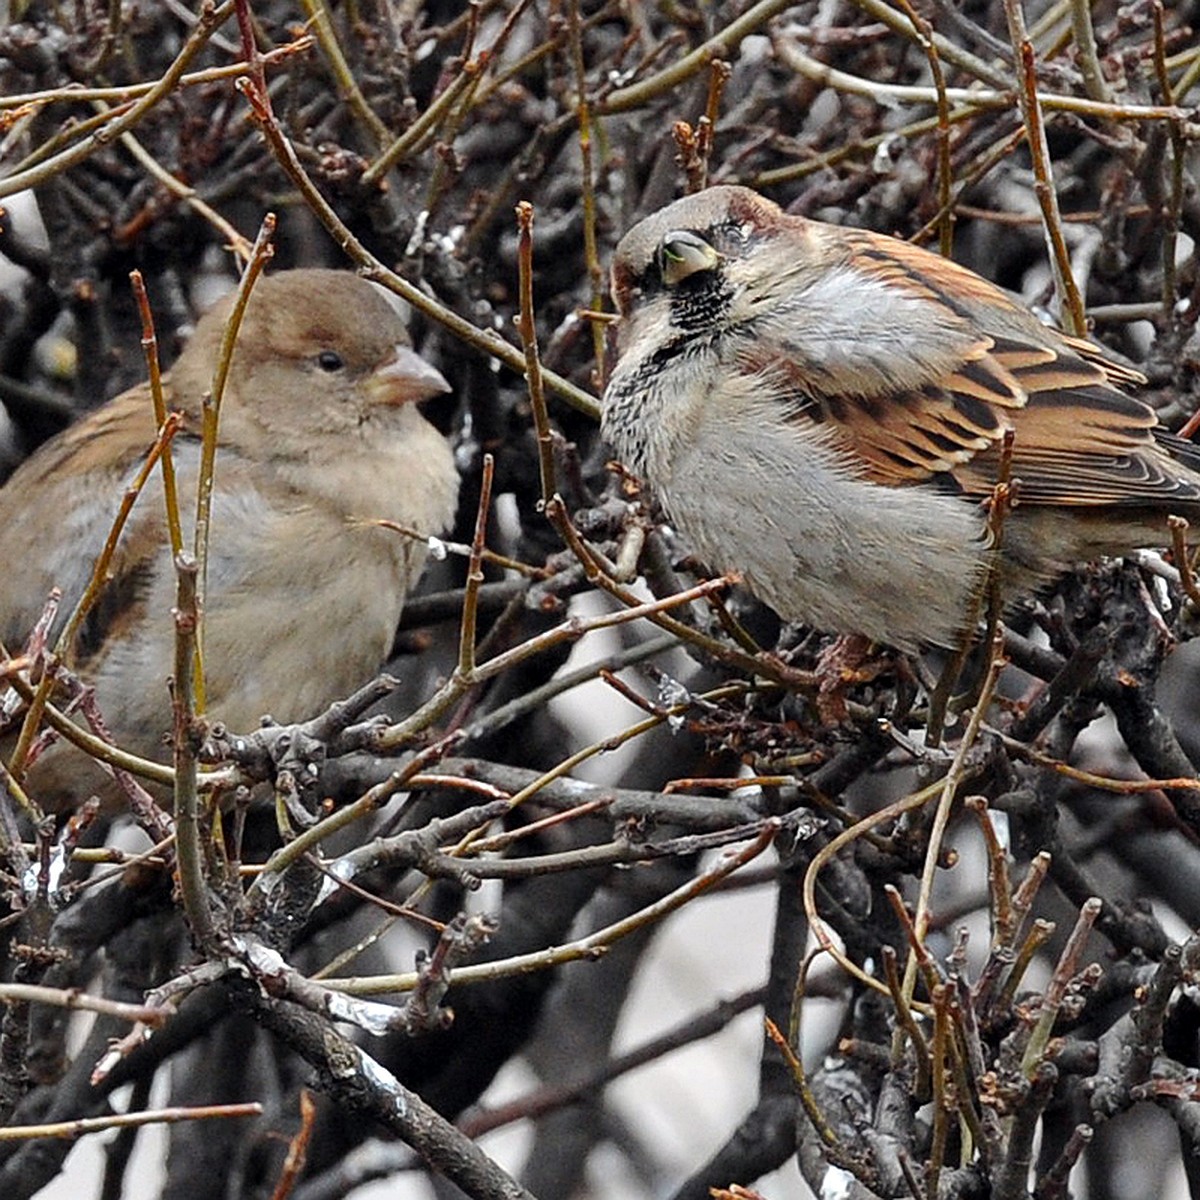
704, 289
708, 263
317, 349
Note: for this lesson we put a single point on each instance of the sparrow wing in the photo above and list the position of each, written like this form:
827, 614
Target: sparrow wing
55, 515
952, 365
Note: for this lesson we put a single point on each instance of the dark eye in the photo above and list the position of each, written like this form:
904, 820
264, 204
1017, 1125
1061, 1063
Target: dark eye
330, 360
682, 254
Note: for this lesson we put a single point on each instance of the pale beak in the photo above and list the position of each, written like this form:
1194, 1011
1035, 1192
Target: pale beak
404, 377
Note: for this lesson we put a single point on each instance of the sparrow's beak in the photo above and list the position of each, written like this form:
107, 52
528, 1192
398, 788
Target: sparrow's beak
404, 377
682, 254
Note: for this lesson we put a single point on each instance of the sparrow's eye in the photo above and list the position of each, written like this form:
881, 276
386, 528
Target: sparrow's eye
682, 254
330, 360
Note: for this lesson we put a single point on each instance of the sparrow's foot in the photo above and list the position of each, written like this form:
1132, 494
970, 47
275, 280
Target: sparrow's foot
850, 660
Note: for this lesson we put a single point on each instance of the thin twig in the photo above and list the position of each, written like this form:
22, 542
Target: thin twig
1094, 82
721, 45
193, 885
121, 94
587, 948
1070, 301
591, 255
527, 328
485, 340
157, 1116
1171, 213
154, 374
347, 84
467, 628
211, 19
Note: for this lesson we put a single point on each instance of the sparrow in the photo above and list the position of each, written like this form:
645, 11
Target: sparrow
824, 411
320, 433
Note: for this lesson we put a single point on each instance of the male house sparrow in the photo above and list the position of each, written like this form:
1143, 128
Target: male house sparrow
319, 432
822, 409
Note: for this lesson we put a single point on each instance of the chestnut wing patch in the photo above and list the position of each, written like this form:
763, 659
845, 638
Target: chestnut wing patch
906, 437
1077, 439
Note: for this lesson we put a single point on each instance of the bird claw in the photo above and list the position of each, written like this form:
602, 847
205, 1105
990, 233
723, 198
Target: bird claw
846, 662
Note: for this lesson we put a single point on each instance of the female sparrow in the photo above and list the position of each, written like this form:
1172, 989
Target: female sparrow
319, 433
824, 409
